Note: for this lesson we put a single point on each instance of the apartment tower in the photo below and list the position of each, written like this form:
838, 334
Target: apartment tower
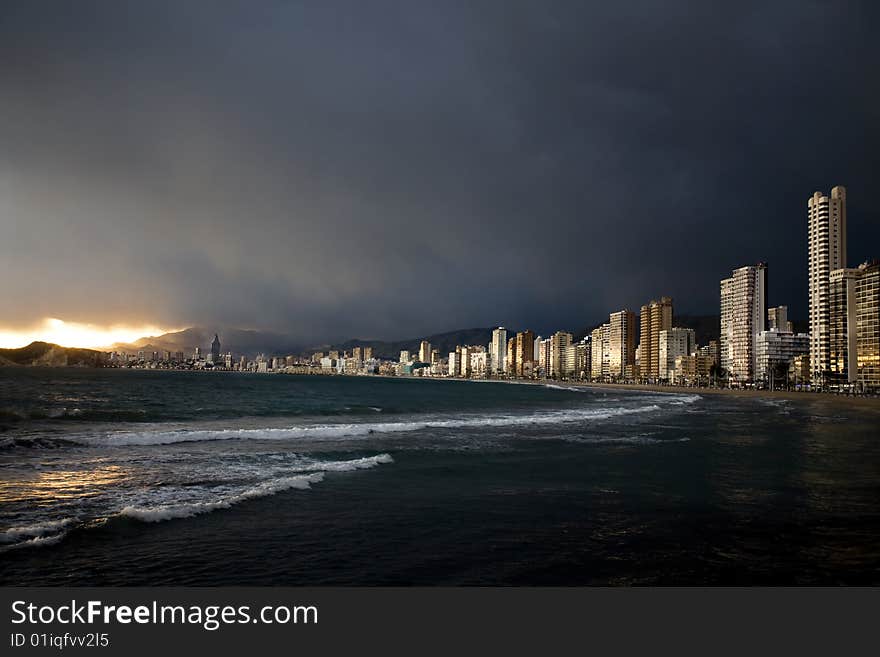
743, 303
525, 352
827, 252
498, 350
425, 351
868, 327
621, 345
559, 344
656, 316
842, 346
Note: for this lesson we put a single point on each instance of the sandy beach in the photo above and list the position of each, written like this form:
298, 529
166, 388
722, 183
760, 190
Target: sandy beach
863, 402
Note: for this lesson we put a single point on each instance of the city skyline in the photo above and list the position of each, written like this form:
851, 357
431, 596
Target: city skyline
657, 314
166, 167
756, 343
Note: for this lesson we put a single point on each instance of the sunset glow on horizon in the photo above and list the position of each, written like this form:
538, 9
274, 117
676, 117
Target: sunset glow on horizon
75, 334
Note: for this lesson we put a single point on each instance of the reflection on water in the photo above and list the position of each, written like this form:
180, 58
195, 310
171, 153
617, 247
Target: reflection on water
59, 485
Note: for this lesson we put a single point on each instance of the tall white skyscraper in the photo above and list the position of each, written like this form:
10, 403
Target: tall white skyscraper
743, 313
498, 350
827, 252
425, 351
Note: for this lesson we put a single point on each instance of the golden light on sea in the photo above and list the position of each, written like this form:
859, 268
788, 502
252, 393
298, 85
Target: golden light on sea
48, 487
75, 334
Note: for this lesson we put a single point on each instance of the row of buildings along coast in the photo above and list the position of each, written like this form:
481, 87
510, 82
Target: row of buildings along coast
757, 345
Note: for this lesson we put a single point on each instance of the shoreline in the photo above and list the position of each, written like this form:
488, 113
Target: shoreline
864, 402
869, 402
831, 398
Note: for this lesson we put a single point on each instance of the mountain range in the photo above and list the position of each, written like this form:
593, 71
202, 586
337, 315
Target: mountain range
238, 341
251, 342
50, 355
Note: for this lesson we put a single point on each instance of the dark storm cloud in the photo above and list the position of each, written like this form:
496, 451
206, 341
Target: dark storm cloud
388, 169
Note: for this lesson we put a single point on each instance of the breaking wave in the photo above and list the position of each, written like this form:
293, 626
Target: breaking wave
161, 512
52, 531
353, 430
34, 535
35, 531
187, 510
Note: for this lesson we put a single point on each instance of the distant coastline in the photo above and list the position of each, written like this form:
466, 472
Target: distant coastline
864, 401
48, 356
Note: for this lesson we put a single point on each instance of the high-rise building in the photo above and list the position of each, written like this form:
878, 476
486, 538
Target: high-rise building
583, 355
404, 356
599, 363
842, 329
525, 352
827, 252
479, 362
777, 317
621, 345
868, 327
712, 353
454, 363
510, 358
569, 361
674, 342
743, 303
215, 349
656, 316
368, 353
542, 356
774, 352
357, 355
559, 343
464, 359
498, 351
425, 352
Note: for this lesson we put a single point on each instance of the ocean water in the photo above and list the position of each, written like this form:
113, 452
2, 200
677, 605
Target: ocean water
116, 477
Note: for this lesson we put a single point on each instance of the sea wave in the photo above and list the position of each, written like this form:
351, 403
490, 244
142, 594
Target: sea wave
354, 430
187, 510
180, 503
36, 541
36, 442
35, 530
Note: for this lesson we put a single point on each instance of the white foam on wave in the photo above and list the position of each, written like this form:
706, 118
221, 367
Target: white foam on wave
188, 510
553, 386
354, 430
162, 512
685, 399
353, 464
37, 541
35, 531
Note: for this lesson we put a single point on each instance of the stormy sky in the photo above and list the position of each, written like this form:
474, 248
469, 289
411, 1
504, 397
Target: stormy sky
334, 169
